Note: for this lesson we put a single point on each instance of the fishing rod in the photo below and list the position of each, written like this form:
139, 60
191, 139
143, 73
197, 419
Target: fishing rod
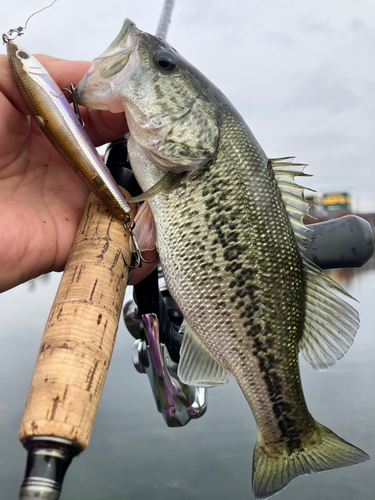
165, 19
75, 351
78, 339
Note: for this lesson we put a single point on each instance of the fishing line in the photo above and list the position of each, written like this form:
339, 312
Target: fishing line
37, 12
15, 32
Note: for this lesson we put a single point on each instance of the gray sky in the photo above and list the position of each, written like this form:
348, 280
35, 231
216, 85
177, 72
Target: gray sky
300, 73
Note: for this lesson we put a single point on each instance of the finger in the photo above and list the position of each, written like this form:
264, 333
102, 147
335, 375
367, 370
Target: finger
104, 126
64, 73
8, 87
101, 126
14, 131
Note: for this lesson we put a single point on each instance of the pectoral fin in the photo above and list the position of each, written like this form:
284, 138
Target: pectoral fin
169, 181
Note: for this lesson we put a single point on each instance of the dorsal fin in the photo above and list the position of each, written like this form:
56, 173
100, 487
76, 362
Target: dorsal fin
330, 322
292, 194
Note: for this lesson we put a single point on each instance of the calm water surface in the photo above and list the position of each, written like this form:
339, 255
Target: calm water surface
133, 454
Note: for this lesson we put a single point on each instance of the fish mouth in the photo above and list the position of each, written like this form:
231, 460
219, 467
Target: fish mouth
96, 89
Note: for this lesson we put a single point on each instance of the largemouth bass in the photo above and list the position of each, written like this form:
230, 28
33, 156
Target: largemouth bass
229, 232
53, 114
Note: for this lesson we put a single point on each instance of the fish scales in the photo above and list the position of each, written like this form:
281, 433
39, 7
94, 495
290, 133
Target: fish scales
229, 226
227, 221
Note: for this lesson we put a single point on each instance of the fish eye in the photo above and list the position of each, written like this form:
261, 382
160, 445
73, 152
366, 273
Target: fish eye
165, 61
22, 54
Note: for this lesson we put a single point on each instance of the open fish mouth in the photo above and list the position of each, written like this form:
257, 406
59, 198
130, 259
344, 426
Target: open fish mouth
100, 79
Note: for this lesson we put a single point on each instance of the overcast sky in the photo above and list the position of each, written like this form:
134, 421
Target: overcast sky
300, 72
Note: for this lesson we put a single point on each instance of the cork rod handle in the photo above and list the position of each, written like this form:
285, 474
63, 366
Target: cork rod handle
80, 333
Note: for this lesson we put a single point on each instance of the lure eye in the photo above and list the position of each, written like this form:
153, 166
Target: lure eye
22, 54
165, 61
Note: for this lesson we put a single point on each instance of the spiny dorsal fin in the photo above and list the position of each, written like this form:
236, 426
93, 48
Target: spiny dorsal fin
292, 194
330, 322
197, 366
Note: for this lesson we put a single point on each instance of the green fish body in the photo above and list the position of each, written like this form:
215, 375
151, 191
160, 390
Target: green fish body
229, 236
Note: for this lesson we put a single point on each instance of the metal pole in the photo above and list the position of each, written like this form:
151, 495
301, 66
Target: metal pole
165, 19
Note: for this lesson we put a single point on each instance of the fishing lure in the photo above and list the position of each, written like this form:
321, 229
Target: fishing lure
63, 126
57, 120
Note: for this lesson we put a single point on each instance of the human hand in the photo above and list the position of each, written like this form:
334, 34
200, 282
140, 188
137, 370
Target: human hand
41, 198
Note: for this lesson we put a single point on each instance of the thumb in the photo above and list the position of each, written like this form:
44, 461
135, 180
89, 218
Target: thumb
101, 126
104, 126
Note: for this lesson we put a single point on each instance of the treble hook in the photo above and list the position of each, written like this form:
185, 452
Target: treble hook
136, 252
148, 261
129, 225
72, 92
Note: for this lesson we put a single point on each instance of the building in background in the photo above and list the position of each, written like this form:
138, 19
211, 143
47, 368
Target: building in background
336, 202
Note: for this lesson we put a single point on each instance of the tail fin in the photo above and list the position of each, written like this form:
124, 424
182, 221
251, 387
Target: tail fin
274, 470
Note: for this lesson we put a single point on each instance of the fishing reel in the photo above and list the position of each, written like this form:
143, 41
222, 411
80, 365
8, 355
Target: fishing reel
154, 319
